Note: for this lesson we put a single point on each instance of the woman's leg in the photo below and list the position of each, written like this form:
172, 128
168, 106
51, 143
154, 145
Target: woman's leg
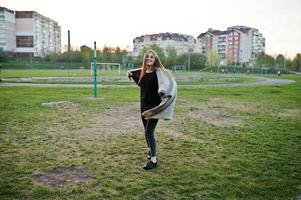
144, 121
150, 135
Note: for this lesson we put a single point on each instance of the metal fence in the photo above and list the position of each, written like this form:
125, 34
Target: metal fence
54, 65
45, 65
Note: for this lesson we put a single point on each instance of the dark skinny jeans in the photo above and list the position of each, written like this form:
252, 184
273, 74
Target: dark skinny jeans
149, 130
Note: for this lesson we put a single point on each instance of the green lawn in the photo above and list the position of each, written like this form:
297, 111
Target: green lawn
18, 73
118, 78
224, 143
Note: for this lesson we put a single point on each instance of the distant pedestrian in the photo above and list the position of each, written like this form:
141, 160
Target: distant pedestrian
158, 91
279, 73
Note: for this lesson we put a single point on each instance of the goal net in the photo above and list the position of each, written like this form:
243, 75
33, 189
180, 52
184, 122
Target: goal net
106, 66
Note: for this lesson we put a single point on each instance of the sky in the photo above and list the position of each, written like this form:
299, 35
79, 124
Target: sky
117, 22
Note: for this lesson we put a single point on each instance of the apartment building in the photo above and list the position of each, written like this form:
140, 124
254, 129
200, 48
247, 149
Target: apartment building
181, 42
212, 40
36, 35
238, 44
29, 34
7, 30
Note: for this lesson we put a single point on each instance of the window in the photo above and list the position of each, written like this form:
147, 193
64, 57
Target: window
24, 41
24, 14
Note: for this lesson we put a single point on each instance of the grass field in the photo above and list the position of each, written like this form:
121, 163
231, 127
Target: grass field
114, 77
224, 143
54, 73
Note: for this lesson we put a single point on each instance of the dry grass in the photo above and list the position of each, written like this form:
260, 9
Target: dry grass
201, 155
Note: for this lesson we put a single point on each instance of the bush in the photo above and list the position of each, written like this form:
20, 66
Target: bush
3, 56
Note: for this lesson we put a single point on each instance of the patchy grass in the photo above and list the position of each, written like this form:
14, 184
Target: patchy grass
114, 77
20, 73
202, 154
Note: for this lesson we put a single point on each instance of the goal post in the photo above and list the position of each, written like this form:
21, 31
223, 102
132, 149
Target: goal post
107, 66
176, 68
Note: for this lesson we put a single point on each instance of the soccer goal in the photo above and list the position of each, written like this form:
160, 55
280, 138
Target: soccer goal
176, 68
106, 66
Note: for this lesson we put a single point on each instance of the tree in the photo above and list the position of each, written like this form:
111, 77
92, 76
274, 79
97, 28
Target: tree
66, 56
212, 58
130, 61
106, 54
297, 62
52, 57
182, 59
288, 63
229, 58
197, 61
190, 50
3, 56
87, 56
171, 55
280, 61
118, 55
264, 60
270, 61
260, 59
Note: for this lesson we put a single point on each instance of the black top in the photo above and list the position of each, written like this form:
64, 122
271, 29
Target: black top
149, 97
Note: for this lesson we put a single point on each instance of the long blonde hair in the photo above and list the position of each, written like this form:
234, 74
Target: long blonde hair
157, 63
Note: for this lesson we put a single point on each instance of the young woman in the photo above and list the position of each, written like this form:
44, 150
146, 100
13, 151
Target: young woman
157, 98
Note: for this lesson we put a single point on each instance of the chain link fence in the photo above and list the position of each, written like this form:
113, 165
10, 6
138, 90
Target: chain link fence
57, 65
45, 65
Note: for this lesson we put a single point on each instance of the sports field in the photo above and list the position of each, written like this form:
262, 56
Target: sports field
223, 143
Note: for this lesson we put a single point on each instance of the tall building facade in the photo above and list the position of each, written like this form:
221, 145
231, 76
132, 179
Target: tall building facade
7, 30
238, 44
36, 35
31, 34
181, 42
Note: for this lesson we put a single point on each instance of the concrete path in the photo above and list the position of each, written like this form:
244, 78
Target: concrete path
261, 82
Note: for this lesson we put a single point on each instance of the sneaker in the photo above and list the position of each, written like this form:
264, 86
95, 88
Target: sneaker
150, 165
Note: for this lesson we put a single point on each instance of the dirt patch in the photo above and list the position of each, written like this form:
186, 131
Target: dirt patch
215, 115
61, 104
62, 177
216, 112
290, 113
125, 119
221, 112
116, 120
251, 107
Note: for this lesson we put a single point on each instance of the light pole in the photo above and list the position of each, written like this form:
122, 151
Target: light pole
189, 61
94, 70
189, 51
